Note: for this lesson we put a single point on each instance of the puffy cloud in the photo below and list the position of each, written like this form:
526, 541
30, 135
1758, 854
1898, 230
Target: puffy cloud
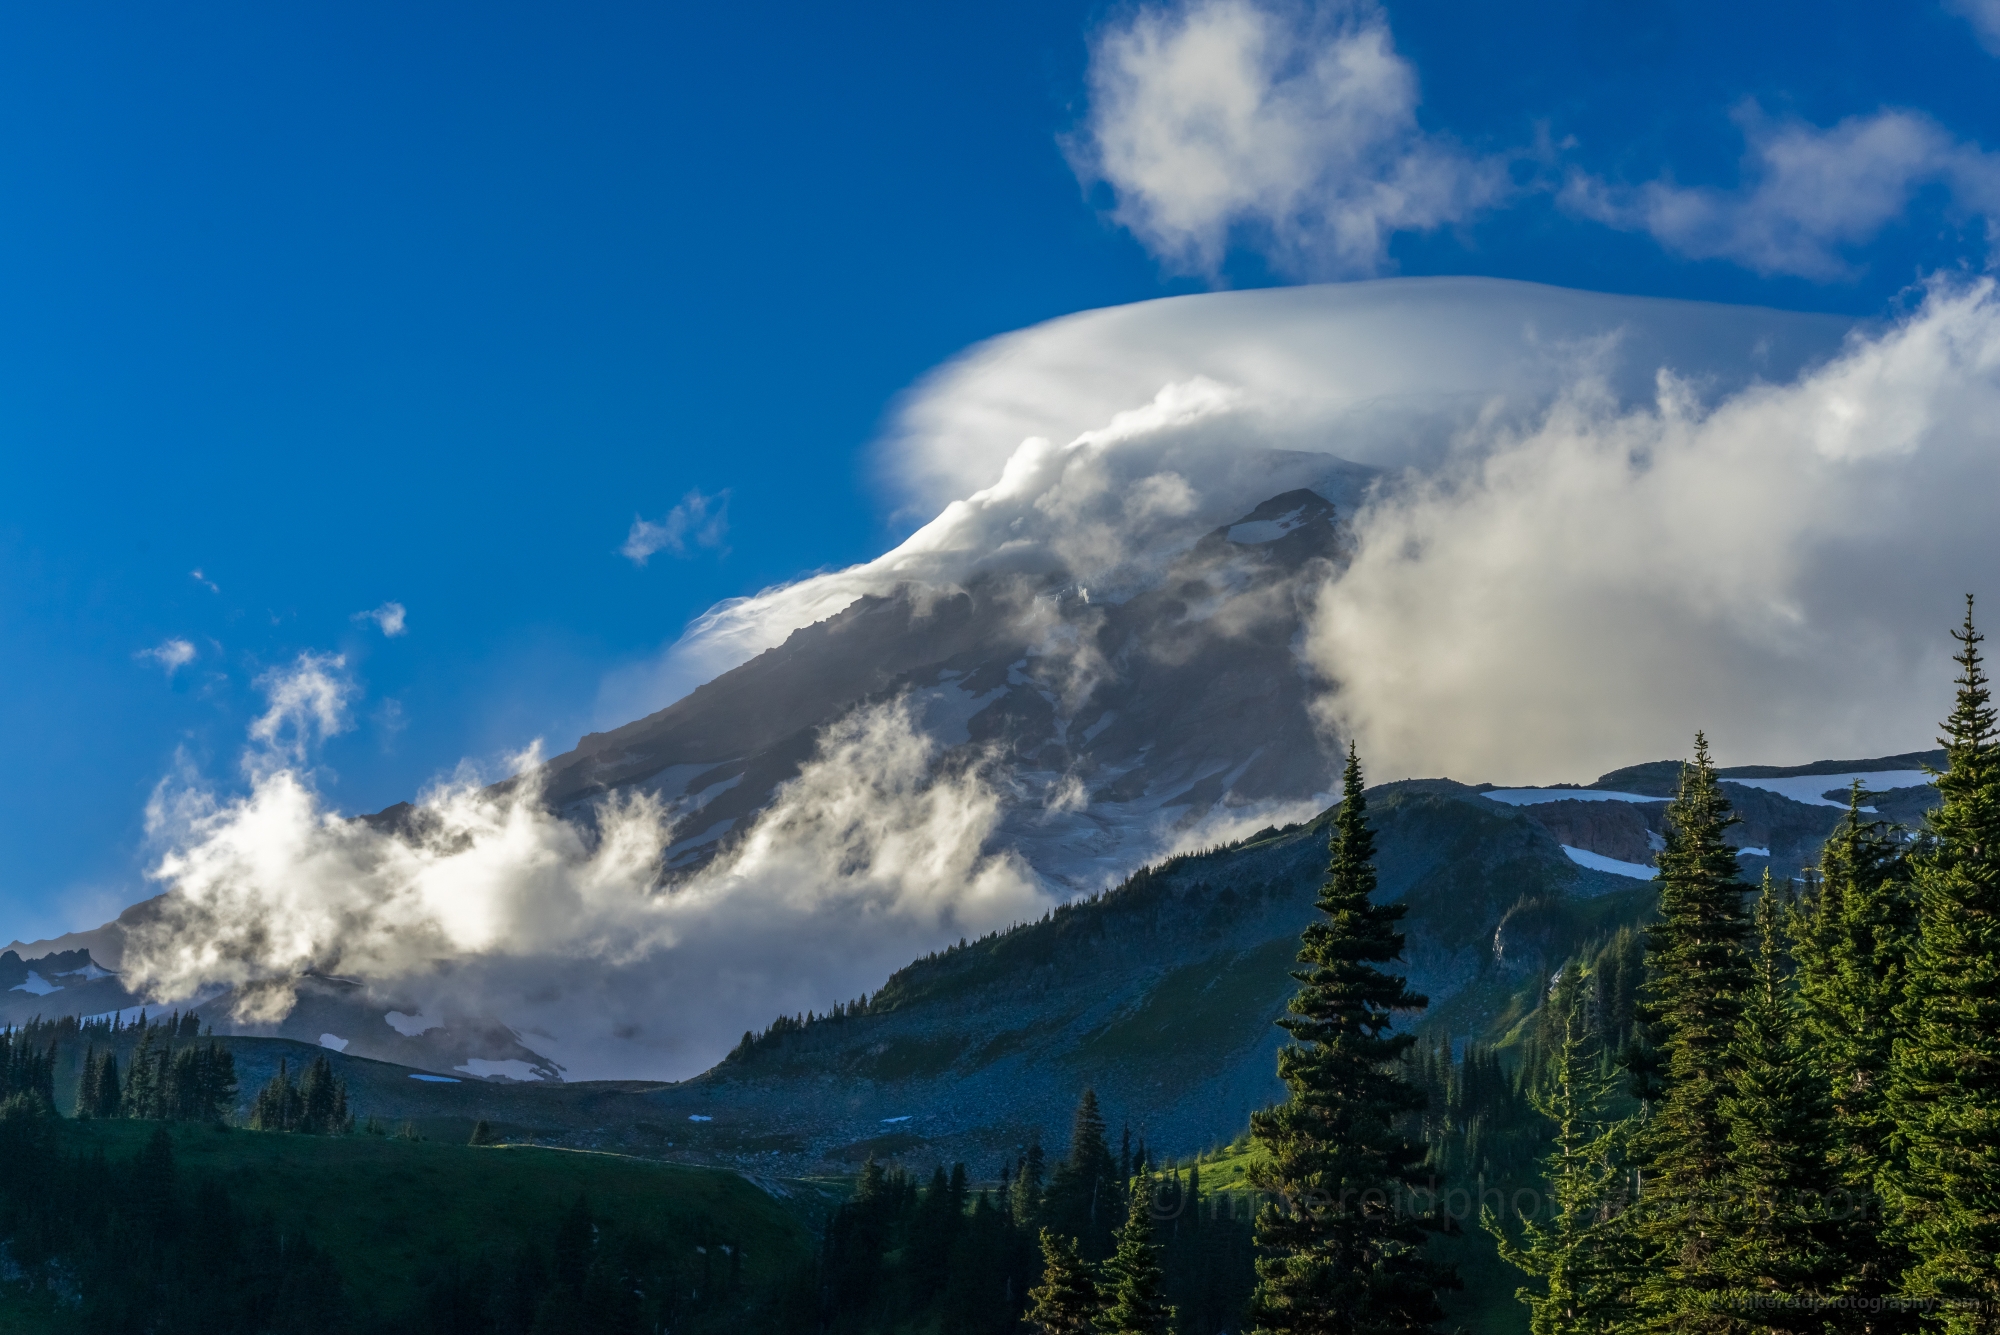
1809, 192
1290, 127
698, 519
483, 901
1984, 16
1779, 566
391, 618
305, 704
172, 654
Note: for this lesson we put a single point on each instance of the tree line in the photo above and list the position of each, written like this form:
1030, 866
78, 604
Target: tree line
161, 1082
1799, 1130
906, 1254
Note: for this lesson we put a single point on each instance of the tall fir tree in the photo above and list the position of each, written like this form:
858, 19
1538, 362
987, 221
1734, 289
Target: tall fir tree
1025, 1202
1943, 1181
1086, 1196
1851, 938
1132, 1285
1342, 1252
1698, 979
1066, 1301
1785, 1259
1578, 1254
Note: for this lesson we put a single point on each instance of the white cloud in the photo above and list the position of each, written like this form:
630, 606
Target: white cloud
172, 654
1984, 15
1809, 193
1288, 127
1779, 566
1385, 372
698, 519
306, 703
875, 853
1582, 563
204, 581
391, 618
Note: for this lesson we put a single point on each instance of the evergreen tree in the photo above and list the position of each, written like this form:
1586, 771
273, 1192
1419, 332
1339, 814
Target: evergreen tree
144, 1076
1342, 1254
1066, 1301
1131, 1287
277, 1106
1028, 1178
1578, 1254
1785, 1254
1851, 940
1086, 1196
1697, 982
110, 1099
86, 1084
1944, 1187
934, 1231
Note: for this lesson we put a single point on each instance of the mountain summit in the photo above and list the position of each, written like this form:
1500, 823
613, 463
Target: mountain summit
1116, 721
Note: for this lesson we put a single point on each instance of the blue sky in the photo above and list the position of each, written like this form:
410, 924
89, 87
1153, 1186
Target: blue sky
353, 306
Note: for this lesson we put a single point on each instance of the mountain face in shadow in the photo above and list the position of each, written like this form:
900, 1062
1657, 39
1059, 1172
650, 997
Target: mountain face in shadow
1112, 721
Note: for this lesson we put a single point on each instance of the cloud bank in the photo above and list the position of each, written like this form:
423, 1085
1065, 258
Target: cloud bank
1290, 127
1778, 566
485, 903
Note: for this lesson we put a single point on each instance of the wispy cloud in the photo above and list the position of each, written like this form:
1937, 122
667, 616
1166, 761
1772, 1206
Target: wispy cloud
1984, 16
204, 581
306, 703
390, 617
1288, 127
1809, 193
172, 654
699, 520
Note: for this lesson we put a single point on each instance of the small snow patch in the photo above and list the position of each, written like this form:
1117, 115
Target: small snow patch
1266, 530
410, 1026
90, 973
35, 986
697, 1117
513, 1069
1583, 857
438, 1079
1753, 852
890, 1121
334, 1041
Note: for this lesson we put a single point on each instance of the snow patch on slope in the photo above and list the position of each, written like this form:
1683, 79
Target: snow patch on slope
1583, 857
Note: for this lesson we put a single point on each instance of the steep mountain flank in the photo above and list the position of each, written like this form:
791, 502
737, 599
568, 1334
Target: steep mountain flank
1159, 994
